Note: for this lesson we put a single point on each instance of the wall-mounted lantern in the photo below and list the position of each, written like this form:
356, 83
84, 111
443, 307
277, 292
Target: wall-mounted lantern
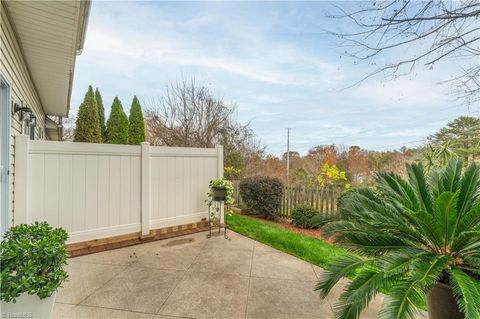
33, 120
27, 117
25, 111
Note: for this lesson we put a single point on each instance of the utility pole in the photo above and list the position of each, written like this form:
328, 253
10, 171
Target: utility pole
288, 155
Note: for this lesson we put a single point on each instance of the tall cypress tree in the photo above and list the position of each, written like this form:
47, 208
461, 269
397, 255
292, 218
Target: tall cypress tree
136, 128
87, 128
117, 124
101, 114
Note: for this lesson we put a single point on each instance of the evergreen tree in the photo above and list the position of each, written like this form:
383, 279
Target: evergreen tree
462, 135
101, 114
87, 128
117, 124
136, 132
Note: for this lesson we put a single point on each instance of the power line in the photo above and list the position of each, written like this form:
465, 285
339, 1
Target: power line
398, 144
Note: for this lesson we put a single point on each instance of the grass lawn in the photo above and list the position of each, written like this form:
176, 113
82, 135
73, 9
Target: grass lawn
310, 249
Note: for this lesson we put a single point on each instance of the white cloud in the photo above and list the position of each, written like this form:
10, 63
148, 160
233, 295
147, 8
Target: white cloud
260, 59
279, 76
403, 92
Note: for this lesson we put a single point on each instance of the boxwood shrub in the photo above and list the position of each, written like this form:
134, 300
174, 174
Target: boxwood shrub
32, 259
302, 216
263, 195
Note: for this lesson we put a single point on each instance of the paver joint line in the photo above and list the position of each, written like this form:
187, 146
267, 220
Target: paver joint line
273, 285
249, 280
180, 280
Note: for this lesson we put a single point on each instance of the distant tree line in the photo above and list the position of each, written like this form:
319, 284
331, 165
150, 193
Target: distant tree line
460, 138
332, 165
91, 127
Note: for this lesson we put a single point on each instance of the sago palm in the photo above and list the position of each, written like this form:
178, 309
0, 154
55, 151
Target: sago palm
408, 235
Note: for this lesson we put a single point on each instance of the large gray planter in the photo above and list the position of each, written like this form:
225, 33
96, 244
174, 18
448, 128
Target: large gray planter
442, 303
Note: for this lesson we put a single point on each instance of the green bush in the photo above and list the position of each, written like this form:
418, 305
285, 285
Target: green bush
87, 125
302, 216
117, 124
32, 259
263, 195
101, 115
136, 128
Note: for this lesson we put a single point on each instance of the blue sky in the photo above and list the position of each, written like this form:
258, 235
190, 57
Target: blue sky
273, 59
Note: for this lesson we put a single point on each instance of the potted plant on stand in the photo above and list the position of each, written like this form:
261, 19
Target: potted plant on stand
221, 190
417, 240
32, 260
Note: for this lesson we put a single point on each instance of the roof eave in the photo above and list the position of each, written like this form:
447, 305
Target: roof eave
84, 13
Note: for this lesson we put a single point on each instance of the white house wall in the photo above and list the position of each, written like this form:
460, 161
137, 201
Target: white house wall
14, 68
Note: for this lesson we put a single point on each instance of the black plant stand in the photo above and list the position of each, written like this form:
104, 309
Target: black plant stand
218, 211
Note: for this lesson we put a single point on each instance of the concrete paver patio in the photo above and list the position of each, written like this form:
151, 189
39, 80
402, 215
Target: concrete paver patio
194, 277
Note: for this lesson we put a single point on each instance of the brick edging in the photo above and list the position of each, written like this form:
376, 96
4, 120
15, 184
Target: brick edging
104, 244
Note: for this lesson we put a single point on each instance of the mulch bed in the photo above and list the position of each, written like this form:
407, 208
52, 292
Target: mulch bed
316, 233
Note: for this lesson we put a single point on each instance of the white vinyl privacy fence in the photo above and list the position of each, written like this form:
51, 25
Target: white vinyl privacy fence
102, 190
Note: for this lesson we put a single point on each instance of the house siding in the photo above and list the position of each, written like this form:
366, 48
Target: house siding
22, 89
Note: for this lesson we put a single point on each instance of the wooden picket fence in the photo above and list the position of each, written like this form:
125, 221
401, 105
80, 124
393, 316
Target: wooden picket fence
236, 192
321, 198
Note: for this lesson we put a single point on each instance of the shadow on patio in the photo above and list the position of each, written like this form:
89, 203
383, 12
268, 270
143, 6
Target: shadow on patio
194, 277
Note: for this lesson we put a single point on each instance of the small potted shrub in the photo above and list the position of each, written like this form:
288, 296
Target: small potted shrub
417, 240
32, 259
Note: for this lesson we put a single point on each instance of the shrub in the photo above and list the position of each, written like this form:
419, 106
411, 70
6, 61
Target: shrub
231, 173
302, 216
101, 115
263, 195
32, 259
87, 125
136, 128
117, 124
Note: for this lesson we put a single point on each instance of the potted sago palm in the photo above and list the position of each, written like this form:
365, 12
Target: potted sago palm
417, 240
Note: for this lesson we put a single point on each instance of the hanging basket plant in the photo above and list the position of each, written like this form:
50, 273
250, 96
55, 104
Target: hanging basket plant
221, 190
219, 194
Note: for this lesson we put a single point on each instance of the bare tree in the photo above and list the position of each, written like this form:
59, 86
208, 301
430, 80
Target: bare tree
189, 115
68, 128
425, 32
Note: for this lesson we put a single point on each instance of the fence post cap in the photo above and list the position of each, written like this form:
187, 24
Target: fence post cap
21, 136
